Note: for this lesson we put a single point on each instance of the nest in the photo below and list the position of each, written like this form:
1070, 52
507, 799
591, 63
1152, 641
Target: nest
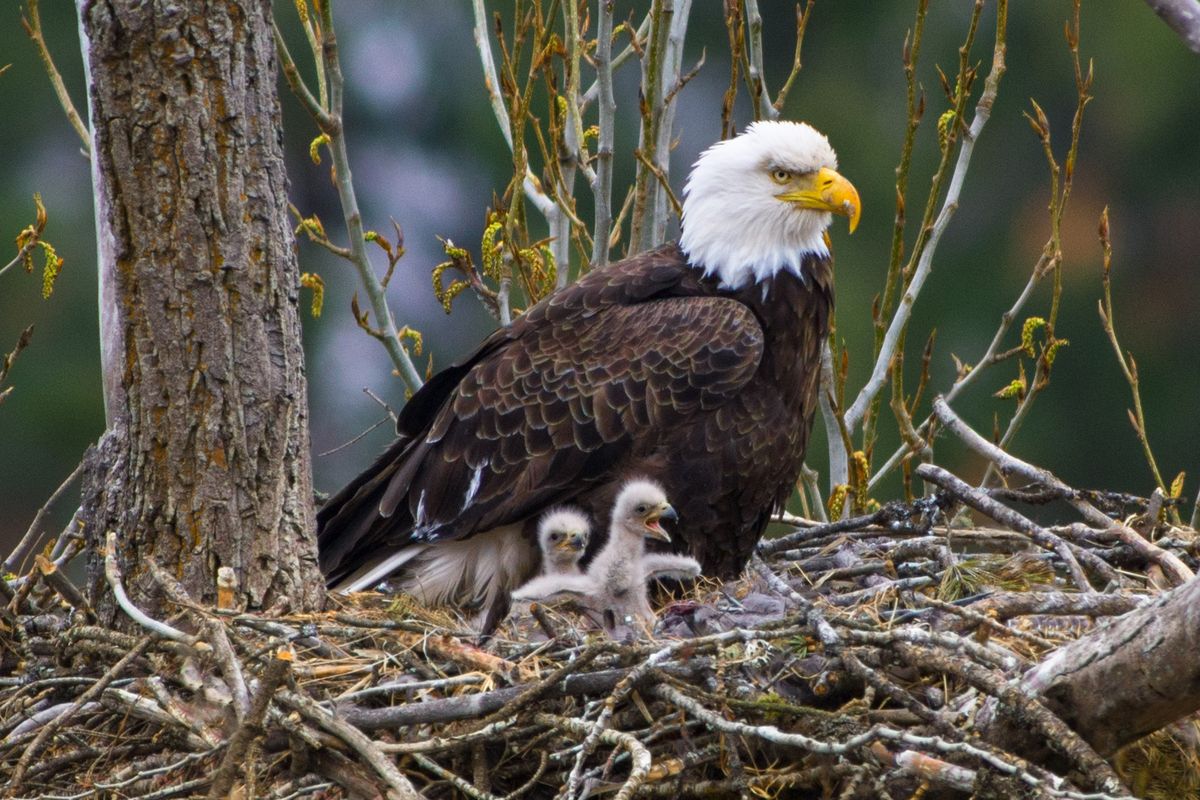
847, 662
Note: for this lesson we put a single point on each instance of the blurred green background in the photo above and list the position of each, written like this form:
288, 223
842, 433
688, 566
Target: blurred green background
427, 151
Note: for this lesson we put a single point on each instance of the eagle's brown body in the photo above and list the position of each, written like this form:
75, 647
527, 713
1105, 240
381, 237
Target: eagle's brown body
642, 368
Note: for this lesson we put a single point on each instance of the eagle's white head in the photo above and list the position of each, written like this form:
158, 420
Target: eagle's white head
759, 202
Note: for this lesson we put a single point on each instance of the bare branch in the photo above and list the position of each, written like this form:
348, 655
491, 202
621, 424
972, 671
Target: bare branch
602, 183
16, 558
350, 211
33, 27
1010, 464
112, 571
895, 331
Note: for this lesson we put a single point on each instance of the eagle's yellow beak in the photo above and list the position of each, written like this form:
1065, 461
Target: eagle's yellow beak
827, 190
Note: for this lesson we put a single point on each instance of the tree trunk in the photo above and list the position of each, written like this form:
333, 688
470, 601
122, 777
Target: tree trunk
205, 463
1128, 678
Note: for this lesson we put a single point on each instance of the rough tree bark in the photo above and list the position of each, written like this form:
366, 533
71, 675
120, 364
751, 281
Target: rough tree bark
1129, 678
205, 462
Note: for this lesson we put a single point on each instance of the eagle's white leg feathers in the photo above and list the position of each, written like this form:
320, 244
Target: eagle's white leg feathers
373, 572
469, 572
477, 571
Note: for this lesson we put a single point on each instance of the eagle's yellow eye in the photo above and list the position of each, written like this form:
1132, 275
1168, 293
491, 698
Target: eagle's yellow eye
780, 175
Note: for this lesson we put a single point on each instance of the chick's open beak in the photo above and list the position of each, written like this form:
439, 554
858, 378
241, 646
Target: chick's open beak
656, 531
827, 190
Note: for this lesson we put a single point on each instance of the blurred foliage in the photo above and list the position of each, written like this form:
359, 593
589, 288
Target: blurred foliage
428, 152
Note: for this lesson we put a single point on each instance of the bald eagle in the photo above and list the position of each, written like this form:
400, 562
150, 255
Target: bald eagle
694, 364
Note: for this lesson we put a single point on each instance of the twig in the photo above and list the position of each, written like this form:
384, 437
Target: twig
62, 584
455, 742
1007, 605
541, 688
983, 619
351, 214
602, 184
811, 481
639, 755
839, 455
990, 654
828, 636
678, 13
33, 27
16, 559
760, 97
801, 26
473, 705
354, 440
328, 115
1128, 365
112, 571
573, 143
354, 738
457, 781
1006, 516
663, 181
1009, 464
983, 109
642, 223
52, 727
632, 49
769, 547
251, 727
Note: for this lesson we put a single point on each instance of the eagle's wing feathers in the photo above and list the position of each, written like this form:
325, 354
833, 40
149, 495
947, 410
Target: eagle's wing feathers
548, 413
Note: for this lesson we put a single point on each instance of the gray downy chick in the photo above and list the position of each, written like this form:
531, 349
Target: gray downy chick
562, 537
619, 570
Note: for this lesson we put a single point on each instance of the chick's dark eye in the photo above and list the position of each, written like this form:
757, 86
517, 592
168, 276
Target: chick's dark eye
554, 537
780, 175
641, 509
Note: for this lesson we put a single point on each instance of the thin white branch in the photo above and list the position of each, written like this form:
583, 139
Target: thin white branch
672, 70
754, 45
891, 340
839, 459
491, 79
593, 91
533, 190
112, 572
602, 182
960, 385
